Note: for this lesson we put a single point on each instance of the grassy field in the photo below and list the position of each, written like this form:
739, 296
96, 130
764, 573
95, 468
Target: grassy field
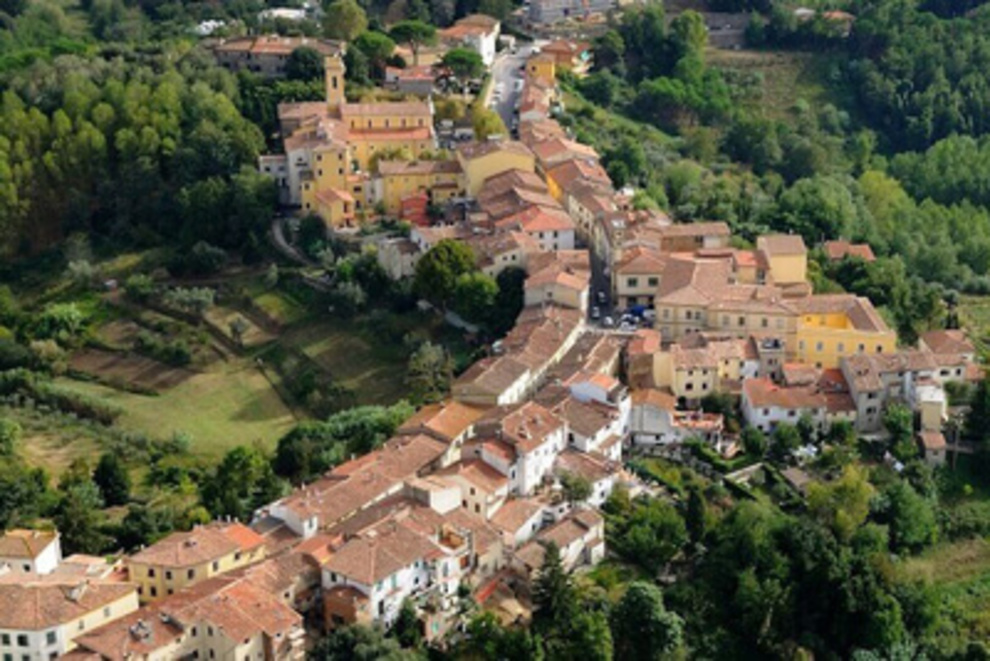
230, 405
974, 315
786, 77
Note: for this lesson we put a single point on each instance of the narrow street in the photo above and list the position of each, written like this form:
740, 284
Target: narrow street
506, 71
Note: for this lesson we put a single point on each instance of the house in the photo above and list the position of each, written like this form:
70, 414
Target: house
496, 381
358, 484
947, 342
477, 32
558, 150
592, 426
564, 176
267, 54
837, 250
699, 365
41, 617
655, 420
554, 11
786, 255
542, 67
766, 404
440, 180
519, 519
482, 160
557, 284
224, 617
449, 421
483, 488
522, 443
30, 551
550, 226
186, 558
636, 277
411, 80
502, 250
398, 257
573, 56
580, 537
639, 359
933, 446
599, 472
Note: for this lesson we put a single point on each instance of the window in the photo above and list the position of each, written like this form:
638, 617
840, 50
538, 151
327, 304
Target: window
632, 282
194, 632
82, 624
22, 640
8, 657
5, 639
106, 612
50, 638
216, 565
151, 572
765, 322
237, 556
819, 346
209, 631
653, 282
841, 347
154, 591
168, 575
742, 321
190, 574
26, 568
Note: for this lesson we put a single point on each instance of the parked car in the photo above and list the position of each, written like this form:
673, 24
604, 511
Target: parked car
627, 327
596, 312
608, 322
601, 296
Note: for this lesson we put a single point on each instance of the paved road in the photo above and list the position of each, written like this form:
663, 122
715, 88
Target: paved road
505, 70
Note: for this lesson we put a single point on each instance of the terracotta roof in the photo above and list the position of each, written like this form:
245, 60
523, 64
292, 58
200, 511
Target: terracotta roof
781, 244
510, 180
932, 440
26, 544
707, 228
836, 250
942, 341
646, 341
400, 168
557, 277
858, 310
584, 417
555, 150
565, 46
448, 419
515, 513
525, 426
653, 397
569, 172
332, 195
199, 545
539, 219
477, 473
386, 109
29, 605
565, 532
277, 45
761, 392
481, 20
418, 133
474, 150
493, 375
378, 553
642, 261
590, 466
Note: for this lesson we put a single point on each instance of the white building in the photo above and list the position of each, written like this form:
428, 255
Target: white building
40, 618
655, 420
478, 32
30, 551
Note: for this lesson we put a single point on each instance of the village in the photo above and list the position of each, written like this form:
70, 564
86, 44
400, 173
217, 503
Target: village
631, 322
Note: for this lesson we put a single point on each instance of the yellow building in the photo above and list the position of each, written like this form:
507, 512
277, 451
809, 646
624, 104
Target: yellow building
830, 327
482, 160
441, 180
184, 559
786, 256
691, 372
542, 67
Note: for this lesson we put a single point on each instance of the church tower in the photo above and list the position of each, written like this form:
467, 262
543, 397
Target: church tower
334, 79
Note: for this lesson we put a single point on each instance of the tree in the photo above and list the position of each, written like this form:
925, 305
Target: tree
487, 639
437, 271
696, 515
144, 525
415, 33
10, 434
112, 479
642, 628
242, 482
978, 418
509, 302
688, 35
79, 518
475, 296
754, 442
576, 489
407, 629
784, 440
911, 518
555, 602
464, 64
842, 504
651, 535
344, 20
378, 48
486, 122
898, 420
304, 63
429, 373
609, 51
359, 643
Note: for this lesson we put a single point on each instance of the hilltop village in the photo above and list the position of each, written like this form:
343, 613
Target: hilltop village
630, 322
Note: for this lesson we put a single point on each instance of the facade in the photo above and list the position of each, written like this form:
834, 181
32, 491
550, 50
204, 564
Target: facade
480, 161
477, 32
440, 180
186, 558
554, 11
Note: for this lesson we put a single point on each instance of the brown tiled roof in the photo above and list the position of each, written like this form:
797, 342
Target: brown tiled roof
764, 393
277, 45
590, 466
478, 473
569, 172
836, 250
584, 417
641, 260
378, 553
781, 244
646, 341
400, 168
943, 341
509, 180
448, 419
494, 375
27, 544
473, 150
706, 228
199, 545
932, 440
539, 219
386, 109
563, 533
526, 426
29, 605
515, 512
553, 151
655, 398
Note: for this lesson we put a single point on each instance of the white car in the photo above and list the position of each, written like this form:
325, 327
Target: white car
601, 296
608, 322
518, 85
627, 327
595, 312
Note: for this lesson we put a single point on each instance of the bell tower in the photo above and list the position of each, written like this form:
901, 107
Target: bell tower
334, 79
